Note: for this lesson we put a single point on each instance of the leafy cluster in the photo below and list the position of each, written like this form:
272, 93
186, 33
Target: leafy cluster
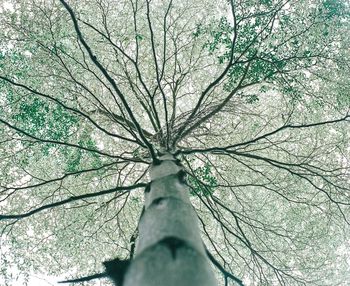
202, 181
40, 119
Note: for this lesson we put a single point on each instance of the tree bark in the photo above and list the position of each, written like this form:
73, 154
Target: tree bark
169, 250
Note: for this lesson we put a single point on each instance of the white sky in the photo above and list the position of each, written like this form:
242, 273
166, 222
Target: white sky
36, 280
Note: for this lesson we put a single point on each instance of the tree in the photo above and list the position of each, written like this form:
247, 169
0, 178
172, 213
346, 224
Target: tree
240, 107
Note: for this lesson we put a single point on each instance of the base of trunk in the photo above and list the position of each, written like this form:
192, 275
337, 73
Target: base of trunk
171, 262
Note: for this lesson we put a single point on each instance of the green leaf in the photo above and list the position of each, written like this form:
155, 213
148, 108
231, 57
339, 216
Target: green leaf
202, 175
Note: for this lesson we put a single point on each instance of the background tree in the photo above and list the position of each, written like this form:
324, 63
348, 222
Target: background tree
251, 96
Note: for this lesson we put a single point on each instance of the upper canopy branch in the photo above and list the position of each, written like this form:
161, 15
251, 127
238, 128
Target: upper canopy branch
136, 66
264, 136
71, 109
21, 131
109, 78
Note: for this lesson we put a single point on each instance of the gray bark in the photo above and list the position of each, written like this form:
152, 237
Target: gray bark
169, 250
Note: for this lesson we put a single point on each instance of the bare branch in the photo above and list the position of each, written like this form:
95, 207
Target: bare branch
73, 199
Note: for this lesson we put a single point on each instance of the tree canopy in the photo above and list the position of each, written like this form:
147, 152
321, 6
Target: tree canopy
253, 96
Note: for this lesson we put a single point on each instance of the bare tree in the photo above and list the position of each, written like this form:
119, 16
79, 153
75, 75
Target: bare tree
226, 123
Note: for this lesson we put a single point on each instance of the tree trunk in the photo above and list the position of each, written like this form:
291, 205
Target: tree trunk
169, 250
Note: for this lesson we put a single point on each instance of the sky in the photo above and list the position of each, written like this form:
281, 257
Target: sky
36, 280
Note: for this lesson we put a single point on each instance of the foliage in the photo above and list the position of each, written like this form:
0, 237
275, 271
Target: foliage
202, 181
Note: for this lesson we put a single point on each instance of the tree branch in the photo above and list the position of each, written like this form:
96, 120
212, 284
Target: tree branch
109, 78
72, 199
